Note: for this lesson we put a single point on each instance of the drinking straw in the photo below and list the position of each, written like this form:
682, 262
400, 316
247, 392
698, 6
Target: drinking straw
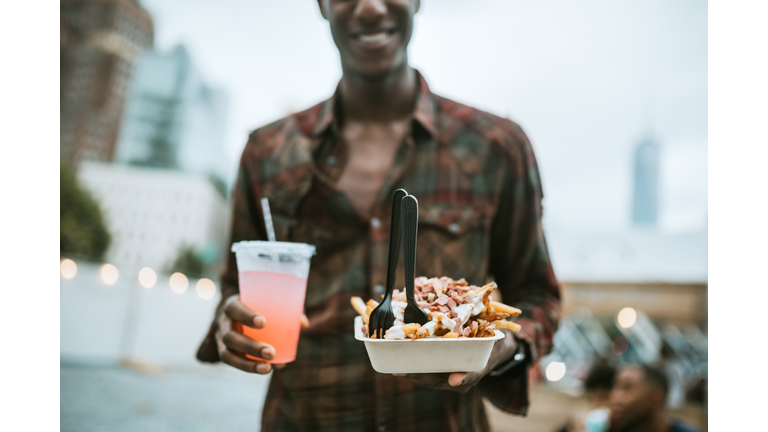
268, 219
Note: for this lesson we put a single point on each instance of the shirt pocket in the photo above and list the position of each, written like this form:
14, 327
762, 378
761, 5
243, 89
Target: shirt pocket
453, 241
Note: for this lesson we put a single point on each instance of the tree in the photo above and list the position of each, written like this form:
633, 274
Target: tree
83, 230
188, 262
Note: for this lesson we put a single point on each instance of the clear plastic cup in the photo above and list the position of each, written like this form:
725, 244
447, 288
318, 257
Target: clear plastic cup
273, 282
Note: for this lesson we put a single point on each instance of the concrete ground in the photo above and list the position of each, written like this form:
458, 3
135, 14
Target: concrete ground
206, 398
165, 389
141, 398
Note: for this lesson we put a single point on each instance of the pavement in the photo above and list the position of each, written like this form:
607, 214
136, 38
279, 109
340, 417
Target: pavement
143, 398
163, 388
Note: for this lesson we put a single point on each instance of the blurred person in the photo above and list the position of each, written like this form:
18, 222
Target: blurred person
329, 173
638, 401
597, 390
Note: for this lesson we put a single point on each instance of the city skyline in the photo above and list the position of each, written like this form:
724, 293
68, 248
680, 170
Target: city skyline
576, 77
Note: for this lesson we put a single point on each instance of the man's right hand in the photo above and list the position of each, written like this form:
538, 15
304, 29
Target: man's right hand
233, 345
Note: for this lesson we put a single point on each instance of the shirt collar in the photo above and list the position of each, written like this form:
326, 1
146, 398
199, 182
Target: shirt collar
423, 113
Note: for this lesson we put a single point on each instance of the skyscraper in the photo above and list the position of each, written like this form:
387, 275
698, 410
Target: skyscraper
99, 42
645, 208
173, 119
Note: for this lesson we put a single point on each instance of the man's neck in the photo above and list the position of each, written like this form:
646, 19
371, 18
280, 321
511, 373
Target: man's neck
378, 101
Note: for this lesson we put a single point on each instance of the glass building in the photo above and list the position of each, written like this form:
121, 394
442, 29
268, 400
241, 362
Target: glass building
645, 207
173, 119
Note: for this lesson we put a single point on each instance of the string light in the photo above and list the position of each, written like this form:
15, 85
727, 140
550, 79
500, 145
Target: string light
179, 283
109, 274
555, 371
627, 317
68, 268
147, 277
205, 288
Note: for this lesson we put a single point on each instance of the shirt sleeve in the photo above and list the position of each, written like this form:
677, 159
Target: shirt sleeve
246, 224
520, 265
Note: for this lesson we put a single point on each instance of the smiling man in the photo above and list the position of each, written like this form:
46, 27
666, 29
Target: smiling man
329, 173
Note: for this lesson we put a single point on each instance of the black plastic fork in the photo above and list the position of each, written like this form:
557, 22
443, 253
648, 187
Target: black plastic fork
410, 224
382, 318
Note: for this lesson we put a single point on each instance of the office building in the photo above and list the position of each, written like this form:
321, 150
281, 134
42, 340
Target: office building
645, 199
153, 213
99, 42
173, 119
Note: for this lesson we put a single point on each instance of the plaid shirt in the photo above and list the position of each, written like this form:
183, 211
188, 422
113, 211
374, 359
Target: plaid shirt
479, 193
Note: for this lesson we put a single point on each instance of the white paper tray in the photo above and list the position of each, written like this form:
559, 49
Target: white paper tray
437, 355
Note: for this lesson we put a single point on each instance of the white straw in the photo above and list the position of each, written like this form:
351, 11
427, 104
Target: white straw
268, 219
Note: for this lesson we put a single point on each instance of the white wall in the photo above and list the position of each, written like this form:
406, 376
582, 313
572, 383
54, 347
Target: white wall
151, 213
167, 327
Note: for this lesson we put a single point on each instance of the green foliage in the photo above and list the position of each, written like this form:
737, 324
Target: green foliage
188, 262
83, 230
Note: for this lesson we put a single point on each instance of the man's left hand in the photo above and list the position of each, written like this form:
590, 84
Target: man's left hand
461, 382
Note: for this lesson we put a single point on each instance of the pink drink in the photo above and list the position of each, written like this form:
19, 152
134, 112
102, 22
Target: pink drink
279, 298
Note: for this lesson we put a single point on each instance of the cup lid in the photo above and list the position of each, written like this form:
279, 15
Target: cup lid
269, 247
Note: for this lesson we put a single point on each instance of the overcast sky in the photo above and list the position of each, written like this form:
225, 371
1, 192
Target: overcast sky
585, 79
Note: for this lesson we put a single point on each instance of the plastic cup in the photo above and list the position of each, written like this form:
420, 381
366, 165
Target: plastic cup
273, 282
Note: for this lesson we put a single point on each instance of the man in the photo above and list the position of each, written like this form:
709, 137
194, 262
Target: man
638, 400
597, 390
329, 173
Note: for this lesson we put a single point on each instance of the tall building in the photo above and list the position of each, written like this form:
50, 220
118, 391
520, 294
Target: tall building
645, 200
99, 43
173, 119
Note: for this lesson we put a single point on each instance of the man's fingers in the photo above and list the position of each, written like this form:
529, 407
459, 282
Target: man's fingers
457, 378
280, 366
435, 380
238, 342
304, 321
239, 312
244, 364
461, 381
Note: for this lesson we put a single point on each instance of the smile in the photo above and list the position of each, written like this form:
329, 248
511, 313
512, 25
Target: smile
375, 39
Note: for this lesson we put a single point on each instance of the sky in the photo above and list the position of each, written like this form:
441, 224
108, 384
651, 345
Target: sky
586, 80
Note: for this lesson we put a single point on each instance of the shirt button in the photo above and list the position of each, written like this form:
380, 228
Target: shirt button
382, 428
375, 223
454, 228
378, 290
331, 160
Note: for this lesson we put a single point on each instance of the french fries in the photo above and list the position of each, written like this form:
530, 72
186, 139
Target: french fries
501, 307
370, 306
360, 308
446, 300
422, 332
442, 331
506, 325
411, 328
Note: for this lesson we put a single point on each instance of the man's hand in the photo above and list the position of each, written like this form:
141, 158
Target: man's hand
461, 382
233, 345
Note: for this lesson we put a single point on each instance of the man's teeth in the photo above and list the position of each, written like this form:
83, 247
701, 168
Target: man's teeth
373, 38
